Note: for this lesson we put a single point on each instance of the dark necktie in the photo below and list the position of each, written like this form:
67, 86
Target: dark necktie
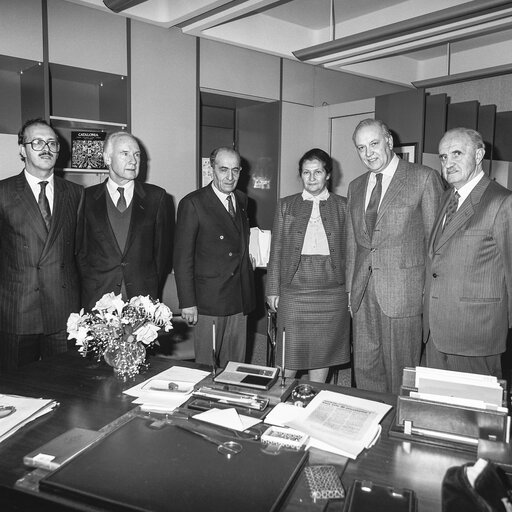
231, 210
373, 205
44, 205
121, 202
451, 208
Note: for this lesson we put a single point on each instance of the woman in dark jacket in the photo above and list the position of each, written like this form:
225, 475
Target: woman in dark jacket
306, 273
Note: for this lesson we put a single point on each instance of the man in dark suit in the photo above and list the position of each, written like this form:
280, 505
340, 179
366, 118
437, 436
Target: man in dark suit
468, 295
391, 212
126, 237
39, 284
213, 269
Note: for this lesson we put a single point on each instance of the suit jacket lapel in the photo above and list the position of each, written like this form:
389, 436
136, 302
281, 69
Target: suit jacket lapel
100, 213
465, 211
138, 212
29, 205
359, 207
60, 205
396, 185
219, 212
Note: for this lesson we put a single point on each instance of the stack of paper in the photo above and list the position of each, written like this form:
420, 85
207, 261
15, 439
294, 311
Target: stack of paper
466, 389
24, 410
259, 246
167, 390
335, 422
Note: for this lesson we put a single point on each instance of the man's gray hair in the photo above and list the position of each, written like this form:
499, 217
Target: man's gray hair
372, 122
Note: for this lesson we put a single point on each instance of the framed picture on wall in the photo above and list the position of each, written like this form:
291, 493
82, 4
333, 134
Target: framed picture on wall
406, 152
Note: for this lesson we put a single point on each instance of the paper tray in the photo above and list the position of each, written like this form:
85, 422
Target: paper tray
450, 422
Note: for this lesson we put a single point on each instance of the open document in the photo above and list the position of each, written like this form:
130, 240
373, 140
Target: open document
341, 423
17, 411
167, 390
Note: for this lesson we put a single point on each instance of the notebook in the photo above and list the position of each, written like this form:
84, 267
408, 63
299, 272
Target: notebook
143, 468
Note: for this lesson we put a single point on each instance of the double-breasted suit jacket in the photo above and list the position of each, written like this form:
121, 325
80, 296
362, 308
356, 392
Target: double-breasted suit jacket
395, 256
39, 285
288, 234
468, 295
146, 259
211, 255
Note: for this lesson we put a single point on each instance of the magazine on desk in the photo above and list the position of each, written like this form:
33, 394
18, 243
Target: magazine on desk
341, 423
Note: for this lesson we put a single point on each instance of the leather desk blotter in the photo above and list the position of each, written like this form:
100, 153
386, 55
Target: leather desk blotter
138, 467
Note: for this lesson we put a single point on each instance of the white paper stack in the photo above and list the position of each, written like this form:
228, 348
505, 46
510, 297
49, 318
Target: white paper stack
167, 390
466, 389
25, 410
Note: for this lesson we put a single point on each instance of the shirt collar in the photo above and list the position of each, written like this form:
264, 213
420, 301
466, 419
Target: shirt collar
34, 180
222, 195
323, 196
113, 186
466, 189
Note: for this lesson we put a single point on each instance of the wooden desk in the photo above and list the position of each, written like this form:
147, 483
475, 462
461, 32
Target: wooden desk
91, 397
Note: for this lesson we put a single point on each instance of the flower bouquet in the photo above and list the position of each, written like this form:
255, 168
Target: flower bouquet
119, 331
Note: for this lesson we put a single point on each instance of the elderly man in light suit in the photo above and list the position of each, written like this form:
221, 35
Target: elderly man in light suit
468, 296
391, 212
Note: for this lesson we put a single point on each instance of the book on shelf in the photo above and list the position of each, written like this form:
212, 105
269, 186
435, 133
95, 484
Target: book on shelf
87, 149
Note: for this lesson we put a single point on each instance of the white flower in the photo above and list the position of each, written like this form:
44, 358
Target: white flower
82, 335
110, 302
147, 333
145, 303
74, 321
163, 316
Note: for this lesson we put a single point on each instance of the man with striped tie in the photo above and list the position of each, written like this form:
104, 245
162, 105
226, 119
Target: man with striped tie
39, 284
127, 229
468, 293
390, 218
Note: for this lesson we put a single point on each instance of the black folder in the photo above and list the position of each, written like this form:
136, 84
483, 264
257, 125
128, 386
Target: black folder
140, 468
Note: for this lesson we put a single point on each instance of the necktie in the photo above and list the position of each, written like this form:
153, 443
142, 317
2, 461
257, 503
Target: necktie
451, 208
44, 205
121, 202
231, 210
373, 205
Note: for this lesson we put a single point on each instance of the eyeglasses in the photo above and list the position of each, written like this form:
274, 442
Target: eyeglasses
234, 170
39, 144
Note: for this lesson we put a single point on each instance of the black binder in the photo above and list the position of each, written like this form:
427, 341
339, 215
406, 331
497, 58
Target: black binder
140, 468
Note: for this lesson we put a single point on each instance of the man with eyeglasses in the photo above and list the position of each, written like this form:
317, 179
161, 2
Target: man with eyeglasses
125, 246
213, 268
39, 285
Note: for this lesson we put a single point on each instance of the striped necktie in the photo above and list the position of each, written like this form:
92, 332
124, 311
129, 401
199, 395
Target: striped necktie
44, 205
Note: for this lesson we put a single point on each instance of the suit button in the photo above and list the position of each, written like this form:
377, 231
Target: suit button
434, 275
221, 237
123, 264
230, 254
373, 249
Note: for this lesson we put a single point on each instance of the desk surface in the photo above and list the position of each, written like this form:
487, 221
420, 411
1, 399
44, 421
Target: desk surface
91, 397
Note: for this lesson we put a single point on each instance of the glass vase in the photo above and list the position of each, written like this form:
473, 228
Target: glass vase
125, 355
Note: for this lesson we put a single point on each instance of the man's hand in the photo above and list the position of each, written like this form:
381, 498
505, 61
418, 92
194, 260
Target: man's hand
189, 315
273, 302
253, 261
349, 306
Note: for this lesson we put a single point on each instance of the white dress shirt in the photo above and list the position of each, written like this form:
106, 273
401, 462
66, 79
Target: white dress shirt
223, 198
387, 176
36, 188
112, 187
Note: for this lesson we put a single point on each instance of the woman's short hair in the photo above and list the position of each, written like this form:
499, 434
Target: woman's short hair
317, 154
